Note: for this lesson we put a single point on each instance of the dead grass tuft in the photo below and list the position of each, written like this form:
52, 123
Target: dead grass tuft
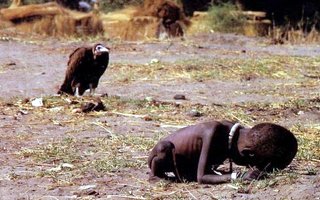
280, 35
51, 19
110, 145
275, 67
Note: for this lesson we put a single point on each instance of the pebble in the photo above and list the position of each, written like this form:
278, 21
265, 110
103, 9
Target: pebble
38, 102
179, 97
194, 113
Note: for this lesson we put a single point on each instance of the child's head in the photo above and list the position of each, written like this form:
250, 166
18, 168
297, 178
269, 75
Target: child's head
272, 146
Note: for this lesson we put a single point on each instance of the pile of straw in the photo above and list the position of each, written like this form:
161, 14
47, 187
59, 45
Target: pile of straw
52, 19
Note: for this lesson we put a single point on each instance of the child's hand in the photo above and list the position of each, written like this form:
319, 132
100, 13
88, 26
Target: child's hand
251, 174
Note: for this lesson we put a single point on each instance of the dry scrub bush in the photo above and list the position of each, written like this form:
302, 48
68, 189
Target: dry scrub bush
51, 19
301, 33
111, 5
223, 18
138, 28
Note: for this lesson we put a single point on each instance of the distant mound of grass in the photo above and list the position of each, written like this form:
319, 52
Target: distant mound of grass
226, 18
105, 5
6, 3
35, 1
111, 5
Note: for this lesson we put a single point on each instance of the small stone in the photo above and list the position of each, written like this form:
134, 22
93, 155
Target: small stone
67, 165
73, 102
300, 112
179, 97
147, 118
76, 110
60, 167
87, 187
26, 100
116, 96
38, 102
194, 113
67, 100
154, 60
55, 169
149, 99
10, 64
92, 193
93, 106
23, 112
105, 95
9, 104
56, 109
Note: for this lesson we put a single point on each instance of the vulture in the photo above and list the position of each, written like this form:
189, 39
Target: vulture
85, 67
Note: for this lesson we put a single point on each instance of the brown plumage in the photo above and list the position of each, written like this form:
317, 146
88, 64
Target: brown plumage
85, 67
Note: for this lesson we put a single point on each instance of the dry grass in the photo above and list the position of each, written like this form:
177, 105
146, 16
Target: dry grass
280, 35
109, 145
220, 69
57, 111
115, 154
51, 19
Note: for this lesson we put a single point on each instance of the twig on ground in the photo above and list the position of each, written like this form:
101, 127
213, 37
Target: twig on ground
164, 194
51, 197
107, 130
311, 76
129, 115
191, 194
128, 185
171, 126
124, 197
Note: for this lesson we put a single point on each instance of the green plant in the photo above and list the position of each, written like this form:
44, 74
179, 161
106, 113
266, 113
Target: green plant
110, 5
226, 18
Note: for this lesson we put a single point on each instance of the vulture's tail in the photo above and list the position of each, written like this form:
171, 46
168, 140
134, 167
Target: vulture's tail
66, 88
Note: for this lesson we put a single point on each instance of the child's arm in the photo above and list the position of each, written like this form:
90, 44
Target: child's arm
225, 178
203, 162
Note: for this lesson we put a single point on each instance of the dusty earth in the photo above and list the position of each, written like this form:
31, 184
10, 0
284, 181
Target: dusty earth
54, 152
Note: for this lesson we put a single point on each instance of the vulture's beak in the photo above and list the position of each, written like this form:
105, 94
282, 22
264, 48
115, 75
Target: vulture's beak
103, 49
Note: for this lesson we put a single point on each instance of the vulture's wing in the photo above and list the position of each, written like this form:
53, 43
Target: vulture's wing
76, 60
73, 68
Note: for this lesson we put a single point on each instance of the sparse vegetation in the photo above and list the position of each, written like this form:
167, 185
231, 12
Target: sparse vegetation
62, 149
225, 18
113, 151
6, 3
116, 148
276, 67
295, 35
110, 5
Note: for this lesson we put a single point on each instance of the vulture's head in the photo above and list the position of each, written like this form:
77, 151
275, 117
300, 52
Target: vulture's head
99, 50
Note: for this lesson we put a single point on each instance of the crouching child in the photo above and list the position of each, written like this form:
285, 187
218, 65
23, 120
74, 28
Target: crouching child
194, 153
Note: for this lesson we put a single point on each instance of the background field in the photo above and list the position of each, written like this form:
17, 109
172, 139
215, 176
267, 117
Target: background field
52, 152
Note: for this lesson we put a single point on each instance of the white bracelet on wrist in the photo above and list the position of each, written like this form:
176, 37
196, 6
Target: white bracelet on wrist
233, 175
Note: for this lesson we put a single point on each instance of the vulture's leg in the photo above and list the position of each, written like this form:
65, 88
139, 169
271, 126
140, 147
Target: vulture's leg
92, 89
76, 93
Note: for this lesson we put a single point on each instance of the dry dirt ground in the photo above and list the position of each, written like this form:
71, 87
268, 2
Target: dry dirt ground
54, 152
